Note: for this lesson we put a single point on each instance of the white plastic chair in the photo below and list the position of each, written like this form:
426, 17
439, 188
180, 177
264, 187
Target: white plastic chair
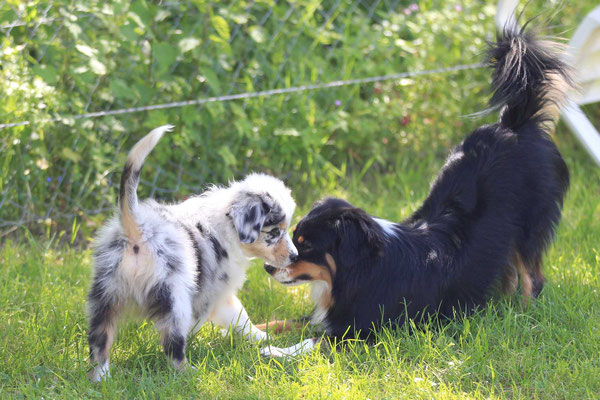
584, 56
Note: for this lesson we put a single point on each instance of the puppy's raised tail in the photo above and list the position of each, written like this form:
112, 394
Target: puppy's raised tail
128, 200
530, 81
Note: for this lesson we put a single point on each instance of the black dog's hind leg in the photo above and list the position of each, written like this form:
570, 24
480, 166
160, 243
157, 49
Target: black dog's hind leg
510, 279
534, 268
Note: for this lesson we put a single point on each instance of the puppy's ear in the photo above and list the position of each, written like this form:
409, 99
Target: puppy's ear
360, 236
248, 214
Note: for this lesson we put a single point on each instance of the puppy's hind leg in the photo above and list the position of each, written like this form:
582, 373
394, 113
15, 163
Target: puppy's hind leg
174, 342
101, 333
231, 313
174, 320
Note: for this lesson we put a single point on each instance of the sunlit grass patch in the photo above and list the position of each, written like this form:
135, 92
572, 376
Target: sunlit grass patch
379, 148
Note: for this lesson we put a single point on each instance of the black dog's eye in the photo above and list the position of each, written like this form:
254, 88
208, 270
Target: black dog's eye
302, 243
306, 245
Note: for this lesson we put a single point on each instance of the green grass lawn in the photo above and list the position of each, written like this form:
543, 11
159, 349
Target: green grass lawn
550, 350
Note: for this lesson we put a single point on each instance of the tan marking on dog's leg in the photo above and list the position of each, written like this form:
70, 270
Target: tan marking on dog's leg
510, 280
526, 284
280, 326
538, 279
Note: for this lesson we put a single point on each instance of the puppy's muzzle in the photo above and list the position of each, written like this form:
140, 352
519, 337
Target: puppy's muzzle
292, 257
270, 269
281, 275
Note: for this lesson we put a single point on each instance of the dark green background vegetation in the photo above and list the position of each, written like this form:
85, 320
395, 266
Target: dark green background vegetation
378, 145
69, 58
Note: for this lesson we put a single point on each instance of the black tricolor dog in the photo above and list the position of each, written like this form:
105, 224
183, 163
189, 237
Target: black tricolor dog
485, 224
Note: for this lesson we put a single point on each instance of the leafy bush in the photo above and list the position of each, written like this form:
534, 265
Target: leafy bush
68, 59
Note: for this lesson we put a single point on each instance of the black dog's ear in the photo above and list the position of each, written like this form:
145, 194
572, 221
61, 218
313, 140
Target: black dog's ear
248, 214
360, 236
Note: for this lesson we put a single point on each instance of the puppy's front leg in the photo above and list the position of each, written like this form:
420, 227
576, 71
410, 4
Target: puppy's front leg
231, 313
174, 324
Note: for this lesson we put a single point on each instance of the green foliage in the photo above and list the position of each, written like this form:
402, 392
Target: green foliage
109, 55
70, 58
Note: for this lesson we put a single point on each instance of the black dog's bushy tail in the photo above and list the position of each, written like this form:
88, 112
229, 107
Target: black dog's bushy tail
529, 80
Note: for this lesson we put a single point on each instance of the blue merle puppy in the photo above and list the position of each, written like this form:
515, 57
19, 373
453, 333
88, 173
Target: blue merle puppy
182, 264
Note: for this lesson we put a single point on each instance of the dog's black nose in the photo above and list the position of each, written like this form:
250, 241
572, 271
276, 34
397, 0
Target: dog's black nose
293, 257
270, 269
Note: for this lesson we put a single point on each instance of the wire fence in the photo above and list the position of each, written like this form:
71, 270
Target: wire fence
241, 96
68, 73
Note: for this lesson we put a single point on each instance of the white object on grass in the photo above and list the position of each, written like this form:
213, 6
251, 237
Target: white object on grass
584, 55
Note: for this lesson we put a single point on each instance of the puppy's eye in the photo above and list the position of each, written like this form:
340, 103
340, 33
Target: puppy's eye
274, 232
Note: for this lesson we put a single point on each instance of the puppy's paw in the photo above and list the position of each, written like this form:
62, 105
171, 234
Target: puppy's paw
257, 335
99, 373
182, 366
305, 346
187, 368
272, 351
280, 352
